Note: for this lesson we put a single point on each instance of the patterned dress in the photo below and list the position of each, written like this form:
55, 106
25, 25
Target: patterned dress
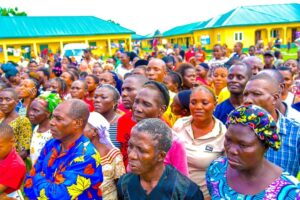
22, 132
38, 142
75, 173
112, 169
284, 187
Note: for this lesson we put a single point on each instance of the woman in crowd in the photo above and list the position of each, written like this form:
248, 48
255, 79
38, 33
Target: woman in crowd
218, 57
39, 114
92, 82
68, 77
173, 81
11, 73
106, 100
20, 124
202, 70
219, 78
111, 159
111, 78
181, 102
245, 173
203, 134
27, 91
57, 85
151, 102
97, 70
188, 74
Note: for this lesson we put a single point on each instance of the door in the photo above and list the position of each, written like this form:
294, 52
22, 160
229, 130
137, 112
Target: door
257, 35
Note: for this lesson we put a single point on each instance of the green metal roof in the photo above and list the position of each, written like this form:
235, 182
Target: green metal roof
31, 27
256, 15
180, 30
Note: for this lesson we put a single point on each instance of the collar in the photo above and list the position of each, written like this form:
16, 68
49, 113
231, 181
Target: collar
280, 123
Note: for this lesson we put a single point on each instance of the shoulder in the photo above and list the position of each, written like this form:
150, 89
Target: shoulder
182, 122
126, 180
217, 167
22, 119
287, 185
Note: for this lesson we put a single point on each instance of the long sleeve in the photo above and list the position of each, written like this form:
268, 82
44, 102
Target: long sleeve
80, 175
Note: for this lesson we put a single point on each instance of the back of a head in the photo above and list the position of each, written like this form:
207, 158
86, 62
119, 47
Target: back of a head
6, 132
140, 79
268, 76
78, 109
159, 131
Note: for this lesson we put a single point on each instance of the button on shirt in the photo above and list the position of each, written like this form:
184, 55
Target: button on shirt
288, 156
200, 151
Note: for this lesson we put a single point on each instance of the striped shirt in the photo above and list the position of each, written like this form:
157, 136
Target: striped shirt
288, 156
113, 135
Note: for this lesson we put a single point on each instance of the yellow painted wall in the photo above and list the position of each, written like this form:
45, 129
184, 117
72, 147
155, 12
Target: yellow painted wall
54, 43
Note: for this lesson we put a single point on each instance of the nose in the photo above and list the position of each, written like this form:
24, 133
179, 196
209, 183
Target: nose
232, 150
52, 122
131, 154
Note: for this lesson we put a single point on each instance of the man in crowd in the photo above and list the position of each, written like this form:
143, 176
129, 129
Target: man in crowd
264, 90
150, 141
69, 165
88, 61
254, 63
238, 76
269, 60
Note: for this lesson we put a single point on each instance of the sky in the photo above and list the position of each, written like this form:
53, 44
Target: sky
143, 17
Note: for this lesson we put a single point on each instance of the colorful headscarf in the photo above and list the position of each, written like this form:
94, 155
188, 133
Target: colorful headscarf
260, 121
52, 99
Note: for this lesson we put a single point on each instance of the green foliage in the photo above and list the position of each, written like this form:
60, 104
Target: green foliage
112, 21
11, 12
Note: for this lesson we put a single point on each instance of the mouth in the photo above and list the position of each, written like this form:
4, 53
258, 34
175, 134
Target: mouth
232, 162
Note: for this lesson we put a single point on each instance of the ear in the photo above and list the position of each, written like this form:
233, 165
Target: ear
161, 156
78, 123
162, 110
276, 96
184, 112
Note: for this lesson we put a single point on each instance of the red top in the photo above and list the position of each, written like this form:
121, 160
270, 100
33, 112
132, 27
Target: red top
125, 124
90, 103
189, 54
13, 171
121, 107
202, 55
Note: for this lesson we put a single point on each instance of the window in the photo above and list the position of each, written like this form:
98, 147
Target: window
92, 44
238, 36
218, 37
274, 33
10, 50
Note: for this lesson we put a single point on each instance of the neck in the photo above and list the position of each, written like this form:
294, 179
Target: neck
12, 115
281, 107
274, 115
26, 101
91, 94
109, 115
66, 142
44, 126
127, 66
203, 124
154, 175
259, 170
236, 99
284, 94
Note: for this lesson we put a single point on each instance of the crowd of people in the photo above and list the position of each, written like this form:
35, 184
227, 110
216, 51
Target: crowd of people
172, 124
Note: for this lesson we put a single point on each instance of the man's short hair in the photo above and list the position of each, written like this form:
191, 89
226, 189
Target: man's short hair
158, 130
78, 110
6, 132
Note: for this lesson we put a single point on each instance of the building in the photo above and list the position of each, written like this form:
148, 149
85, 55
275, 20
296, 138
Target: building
29, 36
246, 24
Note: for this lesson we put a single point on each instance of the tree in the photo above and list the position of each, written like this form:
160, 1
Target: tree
11, 12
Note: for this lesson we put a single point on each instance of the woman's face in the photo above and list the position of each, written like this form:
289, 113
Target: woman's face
243, 148
53, 86
91, 84
201, 72
189, 78
220, 77
217, 52
202, 105
103, 100
107, 78
147, 104
67, 77
170, 84
37, 112
24, 76
27, 89
97, 71
7, 102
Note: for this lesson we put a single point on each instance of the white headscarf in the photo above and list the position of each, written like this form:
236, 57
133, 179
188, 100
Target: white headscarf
97, 121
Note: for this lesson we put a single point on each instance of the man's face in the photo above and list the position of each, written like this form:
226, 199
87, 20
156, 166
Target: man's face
237, 79
251, 51
77, 90
237, 48
261, 93
33, 66
142, 155
124, 58
155, 71
288, 79
130, 88
62, 126
256, 66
